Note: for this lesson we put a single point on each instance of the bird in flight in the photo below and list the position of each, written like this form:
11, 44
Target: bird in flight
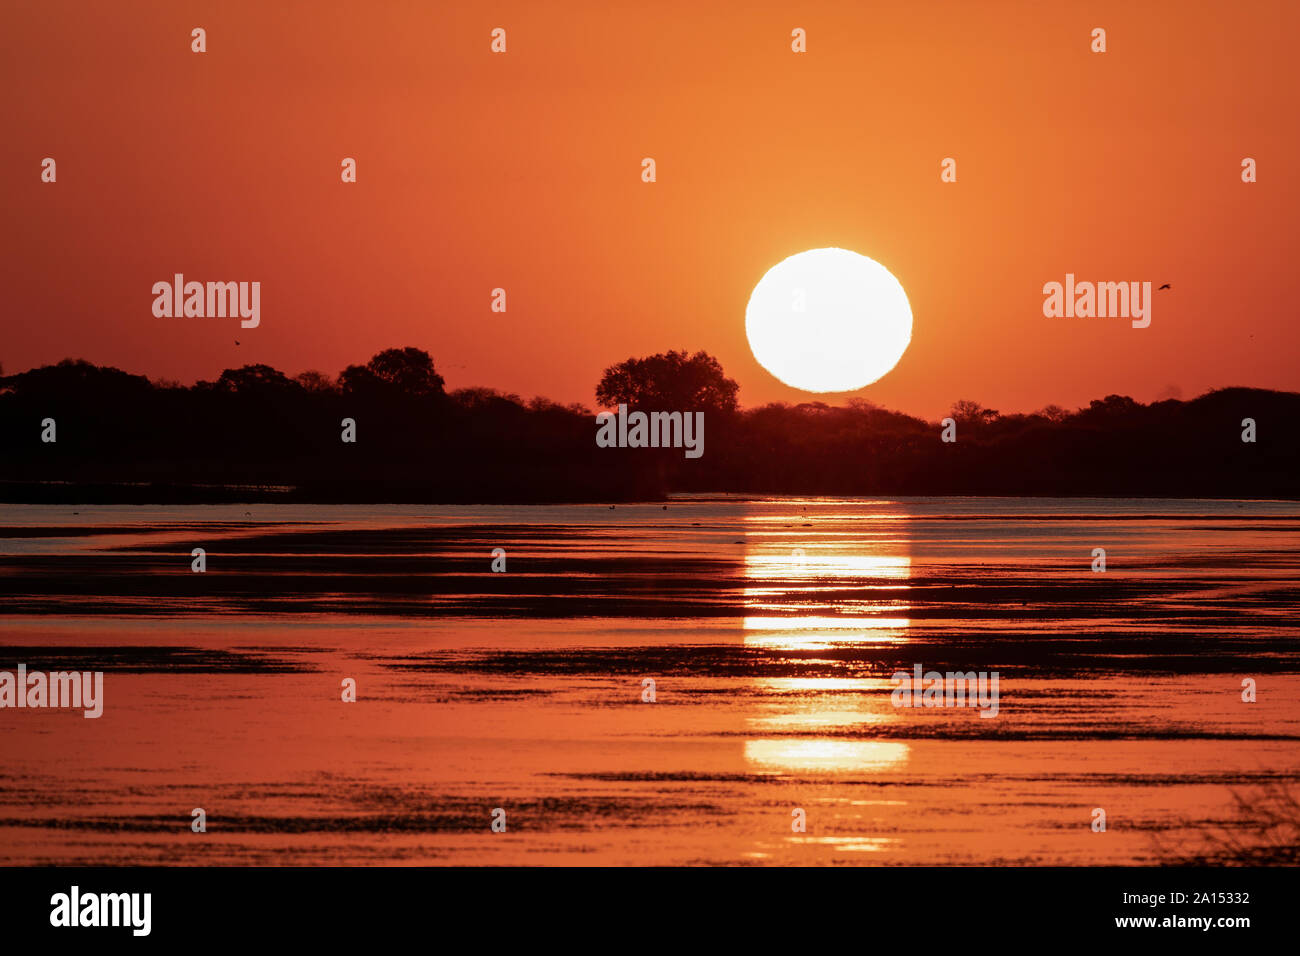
1165, 286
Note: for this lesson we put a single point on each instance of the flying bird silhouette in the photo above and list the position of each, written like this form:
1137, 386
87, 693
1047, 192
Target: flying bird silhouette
1165, 286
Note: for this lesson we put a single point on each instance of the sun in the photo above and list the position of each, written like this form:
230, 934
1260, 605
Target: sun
828, 320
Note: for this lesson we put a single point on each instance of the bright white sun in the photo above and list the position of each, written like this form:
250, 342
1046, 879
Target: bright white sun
828, 320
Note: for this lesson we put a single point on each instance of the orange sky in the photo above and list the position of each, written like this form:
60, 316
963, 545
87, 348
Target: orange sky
523, 171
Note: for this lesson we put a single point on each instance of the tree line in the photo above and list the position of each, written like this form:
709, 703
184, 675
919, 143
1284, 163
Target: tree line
256, 433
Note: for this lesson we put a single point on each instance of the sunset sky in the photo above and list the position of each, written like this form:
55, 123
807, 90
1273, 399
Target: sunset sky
522, 171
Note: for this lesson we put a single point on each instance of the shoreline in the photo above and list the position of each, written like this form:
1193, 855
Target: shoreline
153, 493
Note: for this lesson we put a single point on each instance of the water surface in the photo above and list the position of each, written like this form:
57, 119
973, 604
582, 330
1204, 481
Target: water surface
770, 628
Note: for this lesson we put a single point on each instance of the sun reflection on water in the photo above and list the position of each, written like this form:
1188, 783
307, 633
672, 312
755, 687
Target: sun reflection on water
825, 585
826, 755
816, 588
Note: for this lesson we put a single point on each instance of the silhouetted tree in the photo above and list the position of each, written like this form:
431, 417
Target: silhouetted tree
669, 381
479, 397
315, 382
254, 380
1053, 413
1113, 405
408, 370
972, 413
74, 377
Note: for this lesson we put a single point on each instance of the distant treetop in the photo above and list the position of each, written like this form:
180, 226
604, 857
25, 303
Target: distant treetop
669, 381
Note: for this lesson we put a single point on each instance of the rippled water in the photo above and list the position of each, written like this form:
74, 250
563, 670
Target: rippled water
770, 627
